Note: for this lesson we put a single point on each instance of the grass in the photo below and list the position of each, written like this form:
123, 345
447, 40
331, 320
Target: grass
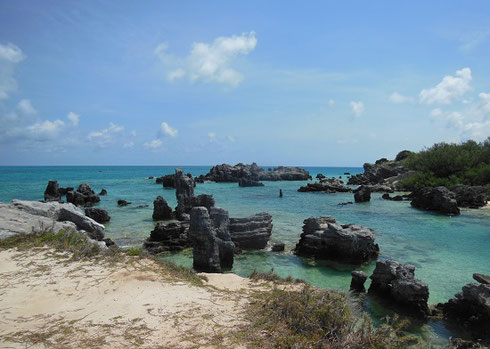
271, 276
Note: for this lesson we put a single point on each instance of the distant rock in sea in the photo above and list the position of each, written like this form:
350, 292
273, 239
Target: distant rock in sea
329, 185
438, 199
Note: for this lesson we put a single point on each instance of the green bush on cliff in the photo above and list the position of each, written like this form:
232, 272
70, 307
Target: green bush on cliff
449, 164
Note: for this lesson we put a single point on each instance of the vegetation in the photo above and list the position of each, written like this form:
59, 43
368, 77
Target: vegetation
449, 164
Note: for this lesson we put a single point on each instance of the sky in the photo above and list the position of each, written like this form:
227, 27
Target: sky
318, 83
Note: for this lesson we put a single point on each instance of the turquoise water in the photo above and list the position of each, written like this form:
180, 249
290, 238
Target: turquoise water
445, 250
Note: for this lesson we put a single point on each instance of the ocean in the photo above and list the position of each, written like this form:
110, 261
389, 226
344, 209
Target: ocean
446, 251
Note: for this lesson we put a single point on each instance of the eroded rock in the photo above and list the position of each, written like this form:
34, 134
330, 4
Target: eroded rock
251, 232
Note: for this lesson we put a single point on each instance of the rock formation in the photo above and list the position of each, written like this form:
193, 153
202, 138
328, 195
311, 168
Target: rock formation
103, 192
185, 193
245, 182
471, 196
52, 192
438, 199
330, 185
97, 214
362, 194
212, 246
470, 308
278, 247
168, 236
324, 238
358, 280
252, 232
397, 282
228, 173
161, 210
123, 203
394, 198
83, 196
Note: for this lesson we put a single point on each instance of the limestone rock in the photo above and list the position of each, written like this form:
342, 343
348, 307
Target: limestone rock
168, 236
358, 280
470, 196
83, 196
161, 210
251, 232
52, 192
438, 199
329, 185
362, 194
97, 214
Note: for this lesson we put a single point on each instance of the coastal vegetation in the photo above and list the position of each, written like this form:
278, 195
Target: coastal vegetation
449, 164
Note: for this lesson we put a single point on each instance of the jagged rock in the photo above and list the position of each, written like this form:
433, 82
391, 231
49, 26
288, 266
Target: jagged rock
103, 192
330, 185
378, 173
244, 182
83, 196
278, 247
470, 309
161, 210
151, 177
394, 198
123, 203
252, 232
482, 278
358, 280
97, 214
63, 191
470, 196
228, 173
206, 200
362, 194
52, 192
438, 199
185, 193
380, 188
168, 181
345, 203
108, 242
347, 173
168, 236
320, 176
210, 252
397, 282
324, 238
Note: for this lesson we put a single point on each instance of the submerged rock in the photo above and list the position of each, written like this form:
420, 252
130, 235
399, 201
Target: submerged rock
397, 282
251, 232
161, 210
438, 199
103, 192
358, 280
324, 238
362, 194
97, 214
244, 182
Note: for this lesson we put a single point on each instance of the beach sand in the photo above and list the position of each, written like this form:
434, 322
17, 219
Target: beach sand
47, 300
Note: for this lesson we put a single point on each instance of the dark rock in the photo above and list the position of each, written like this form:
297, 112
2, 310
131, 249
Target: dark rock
280, 193
221, 223
83, 196
397, 282
244, 182
151, 177
168, 181
347, 173
470, 310
482, 278
252, 232
438, 199
109, 242
185, 193
63, 191
394, 198
97, 214
103, 192
161, 210
378, 173
168, 236
324, 238
358, 280
470, 196
362, 194
403, 155
381, 161
206, 200
380, 188
123, 203
278, 247
330, 185
52, 192
320, 176
228, 173
345, 203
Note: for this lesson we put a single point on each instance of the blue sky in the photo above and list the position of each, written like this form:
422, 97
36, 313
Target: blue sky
324, 83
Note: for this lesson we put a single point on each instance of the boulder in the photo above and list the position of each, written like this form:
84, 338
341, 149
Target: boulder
394, 198
168, 236
438, 199
52, 192
330, 185
123, 203
470, 196
358, 280
161, 210
320, 176
244, 182
252, 232
482, 278
396, 282
324, 238
206, 200
97, 214
278, 247
378, 173
83, 196
168, 181
103, 192
362, 194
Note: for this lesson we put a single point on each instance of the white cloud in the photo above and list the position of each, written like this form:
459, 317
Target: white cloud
399, 98
209, 62
106, 136
331, 102
212, 136
26, 107
169, 131
128, 145
357, 108
154, 144
10, 56
449, 89
45, 130
74, 118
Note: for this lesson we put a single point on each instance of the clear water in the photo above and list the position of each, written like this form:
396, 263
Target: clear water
445, 250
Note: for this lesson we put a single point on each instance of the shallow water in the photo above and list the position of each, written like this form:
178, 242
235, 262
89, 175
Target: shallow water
445, 250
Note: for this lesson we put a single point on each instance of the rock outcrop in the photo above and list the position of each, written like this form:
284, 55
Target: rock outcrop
471, 196
380, 188
52, 192
185, 193
245, 182
397, 282
362, 194
394, 198
103, 192
97, 214
212, 246
83, 196
324, 238
161, 210
358, 280
123, 203
229, 173
438, 199
470, 309
168, 236
252, 232
329, 185
278, 247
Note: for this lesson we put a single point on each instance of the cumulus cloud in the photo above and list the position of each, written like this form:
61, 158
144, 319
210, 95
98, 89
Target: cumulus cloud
105, 137
449, 89
74, 118
169, 131
25, 107
209, 62
45, 130
398, 98
357, 108
10, 56
154, 144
